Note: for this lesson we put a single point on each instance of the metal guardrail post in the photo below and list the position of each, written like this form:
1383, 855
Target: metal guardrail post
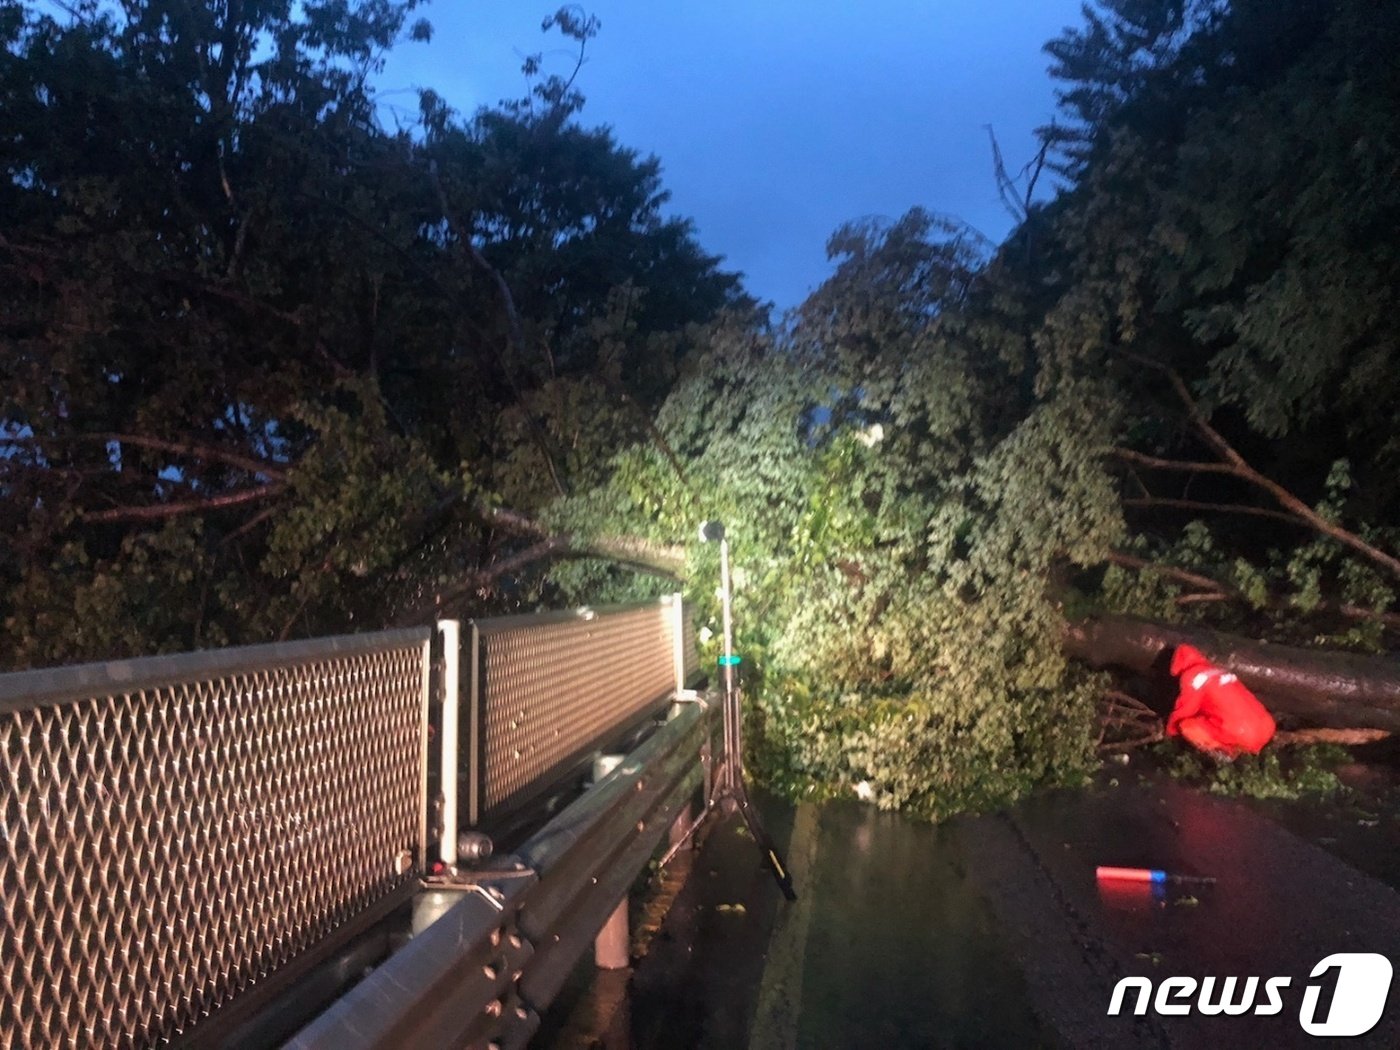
678, 633
451, 631
612, 946
475, 731
424, 759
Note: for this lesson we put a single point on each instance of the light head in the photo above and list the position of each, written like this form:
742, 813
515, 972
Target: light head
711, 531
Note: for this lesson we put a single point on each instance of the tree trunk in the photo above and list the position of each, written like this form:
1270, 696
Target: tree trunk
1323, 688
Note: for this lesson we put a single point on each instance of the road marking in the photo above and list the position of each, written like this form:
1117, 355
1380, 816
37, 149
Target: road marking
780, 993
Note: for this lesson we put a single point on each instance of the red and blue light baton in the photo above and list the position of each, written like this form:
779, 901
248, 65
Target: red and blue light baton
1152, 875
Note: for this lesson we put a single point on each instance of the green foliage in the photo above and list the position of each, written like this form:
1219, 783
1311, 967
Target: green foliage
914, 468
347, 528
891, 541
117, 604
1305, 772
1226, 222
267, 366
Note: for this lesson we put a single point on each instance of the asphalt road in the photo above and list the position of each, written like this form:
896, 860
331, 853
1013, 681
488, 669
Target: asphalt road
992, 931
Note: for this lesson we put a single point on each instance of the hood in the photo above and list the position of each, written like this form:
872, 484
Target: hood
1186, 656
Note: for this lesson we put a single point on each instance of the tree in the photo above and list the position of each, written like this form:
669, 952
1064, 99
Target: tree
948, 457
1224, 238
886, 512
269, 368
471, 363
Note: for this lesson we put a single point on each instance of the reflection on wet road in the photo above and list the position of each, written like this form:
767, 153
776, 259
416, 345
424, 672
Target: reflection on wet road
988, 931
897, 950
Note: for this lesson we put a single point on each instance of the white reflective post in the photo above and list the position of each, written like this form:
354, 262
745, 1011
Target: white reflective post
678, 633
726, 606
451, 631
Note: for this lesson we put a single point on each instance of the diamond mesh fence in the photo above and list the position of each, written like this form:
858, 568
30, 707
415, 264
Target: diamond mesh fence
551, 688
175, 830
690, 655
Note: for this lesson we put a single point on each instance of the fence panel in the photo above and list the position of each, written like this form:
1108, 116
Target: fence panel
174, 830
547, 689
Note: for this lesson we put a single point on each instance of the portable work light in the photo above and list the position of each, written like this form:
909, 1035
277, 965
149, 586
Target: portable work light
728, 792
713, 532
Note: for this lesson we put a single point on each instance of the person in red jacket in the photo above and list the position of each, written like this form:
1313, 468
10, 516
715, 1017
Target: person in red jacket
1214, 711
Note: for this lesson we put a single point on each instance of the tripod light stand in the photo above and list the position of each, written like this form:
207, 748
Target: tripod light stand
728, 792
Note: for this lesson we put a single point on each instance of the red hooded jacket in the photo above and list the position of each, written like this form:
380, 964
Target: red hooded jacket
1214, 710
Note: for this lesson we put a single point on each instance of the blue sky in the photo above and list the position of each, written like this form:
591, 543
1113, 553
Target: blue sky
776, 121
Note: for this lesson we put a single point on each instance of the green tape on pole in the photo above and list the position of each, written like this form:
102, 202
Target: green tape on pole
729, 661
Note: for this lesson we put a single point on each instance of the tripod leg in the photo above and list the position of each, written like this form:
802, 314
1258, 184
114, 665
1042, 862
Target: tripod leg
737, 792
689, 833
765, 845
727, 799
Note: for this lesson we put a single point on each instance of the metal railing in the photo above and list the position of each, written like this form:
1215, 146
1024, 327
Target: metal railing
482, 974
174, 830
183, 836
539, 693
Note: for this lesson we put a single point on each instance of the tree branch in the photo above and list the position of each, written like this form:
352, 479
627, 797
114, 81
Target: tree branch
249, 525
177, 448
1342, 737
1122, 711
1284, 498
160, 511
663, 559
1214, 508
1129, 561
1213, 590
476, 580
1184, 466
1235, 464
559, 546
196, 450
513, 326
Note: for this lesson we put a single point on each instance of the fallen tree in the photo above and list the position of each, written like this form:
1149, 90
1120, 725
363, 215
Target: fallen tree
1323, 688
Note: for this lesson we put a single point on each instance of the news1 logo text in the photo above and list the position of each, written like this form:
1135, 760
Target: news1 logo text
1345, 995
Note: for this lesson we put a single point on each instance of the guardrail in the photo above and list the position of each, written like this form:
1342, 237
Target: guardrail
186, 836
175, 829
481, 975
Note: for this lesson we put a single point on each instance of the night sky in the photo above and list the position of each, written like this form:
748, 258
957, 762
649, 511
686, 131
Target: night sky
776, 121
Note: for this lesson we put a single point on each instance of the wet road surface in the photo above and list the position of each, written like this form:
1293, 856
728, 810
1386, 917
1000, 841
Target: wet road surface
988, 931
